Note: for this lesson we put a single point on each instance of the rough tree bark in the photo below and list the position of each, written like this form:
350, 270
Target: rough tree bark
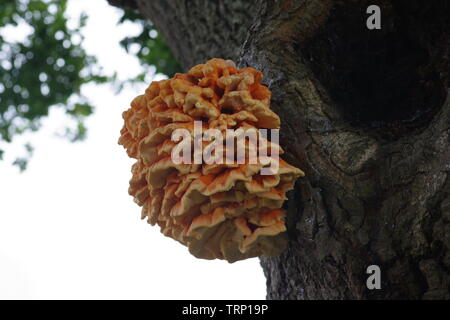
365, 113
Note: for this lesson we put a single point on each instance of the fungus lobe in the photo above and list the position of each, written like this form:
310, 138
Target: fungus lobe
223, 210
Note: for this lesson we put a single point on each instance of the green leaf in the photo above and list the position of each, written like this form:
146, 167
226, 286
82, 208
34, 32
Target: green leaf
81, 110
21, 163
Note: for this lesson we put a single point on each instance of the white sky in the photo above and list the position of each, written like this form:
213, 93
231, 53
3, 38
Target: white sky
69, 229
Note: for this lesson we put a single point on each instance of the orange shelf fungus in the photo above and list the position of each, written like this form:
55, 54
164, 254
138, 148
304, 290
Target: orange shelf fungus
222, 198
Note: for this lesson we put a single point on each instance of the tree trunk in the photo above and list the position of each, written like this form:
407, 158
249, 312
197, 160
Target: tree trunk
365, 113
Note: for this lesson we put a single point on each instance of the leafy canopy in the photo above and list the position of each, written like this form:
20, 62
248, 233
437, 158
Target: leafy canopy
49, 66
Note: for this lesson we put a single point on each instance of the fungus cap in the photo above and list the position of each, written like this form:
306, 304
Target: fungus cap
225, 211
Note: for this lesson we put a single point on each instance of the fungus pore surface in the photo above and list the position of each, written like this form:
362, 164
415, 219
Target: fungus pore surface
227, 210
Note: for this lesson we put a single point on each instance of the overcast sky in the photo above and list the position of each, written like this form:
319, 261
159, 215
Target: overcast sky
69, 229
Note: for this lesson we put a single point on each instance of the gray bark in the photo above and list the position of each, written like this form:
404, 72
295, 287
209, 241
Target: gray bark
366, 114
197, 30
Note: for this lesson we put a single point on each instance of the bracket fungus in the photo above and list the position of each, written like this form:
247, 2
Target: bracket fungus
221, 209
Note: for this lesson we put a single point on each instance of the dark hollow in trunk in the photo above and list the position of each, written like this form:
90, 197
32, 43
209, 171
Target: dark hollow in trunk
390, 80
